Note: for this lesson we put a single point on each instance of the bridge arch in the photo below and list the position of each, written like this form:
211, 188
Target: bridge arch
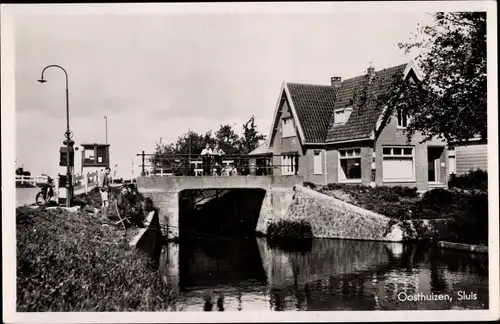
165, 191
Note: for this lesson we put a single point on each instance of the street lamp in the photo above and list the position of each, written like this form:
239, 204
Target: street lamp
106, 117
68, 135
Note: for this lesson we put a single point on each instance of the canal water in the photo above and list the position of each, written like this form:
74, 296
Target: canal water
252, 274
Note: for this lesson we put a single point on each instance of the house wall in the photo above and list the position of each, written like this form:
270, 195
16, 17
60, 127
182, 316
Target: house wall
282, 145
392, 135
333, 163
308, 169
471, 157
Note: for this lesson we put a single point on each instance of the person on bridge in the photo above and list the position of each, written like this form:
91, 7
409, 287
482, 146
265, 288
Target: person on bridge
217, 154
104, 189
206, 156
126, 210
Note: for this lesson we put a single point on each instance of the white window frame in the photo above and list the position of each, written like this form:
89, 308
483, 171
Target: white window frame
345, 113
401, 118
319, 154
402, 155
287, 161
287, 127
346, 157
452, 156
89, 154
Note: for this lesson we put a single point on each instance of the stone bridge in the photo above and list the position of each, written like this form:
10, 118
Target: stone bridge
165, 190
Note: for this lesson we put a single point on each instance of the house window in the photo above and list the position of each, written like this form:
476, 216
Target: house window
350, 164
288, 164
288, 127
318, 169
89, 154
398, 164
342, 115
402, 119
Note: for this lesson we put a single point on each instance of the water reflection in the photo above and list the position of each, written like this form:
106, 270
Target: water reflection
251, 274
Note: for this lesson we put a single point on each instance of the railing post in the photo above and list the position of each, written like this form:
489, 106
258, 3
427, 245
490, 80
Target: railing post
22, 179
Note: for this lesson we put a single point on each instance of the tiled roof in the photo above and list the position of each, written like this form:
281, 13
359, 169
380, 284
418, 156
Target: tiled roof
262, 149
314, 105
363, 118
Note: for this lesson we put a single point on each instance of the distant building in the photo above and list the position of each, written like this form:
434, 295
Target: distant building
95, 157
469, 157
260, 162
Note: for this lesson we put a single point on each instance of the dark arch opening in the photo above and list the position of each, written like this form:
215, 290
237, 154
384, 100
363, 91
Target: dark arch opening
224, 213
217, 237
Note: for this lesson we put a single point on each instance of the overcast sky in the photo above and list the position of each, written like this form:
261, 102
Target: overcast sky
159, 75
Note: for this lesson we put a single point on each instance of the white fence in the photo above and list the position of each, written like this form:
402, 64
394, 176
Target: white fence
31, 179
198, 169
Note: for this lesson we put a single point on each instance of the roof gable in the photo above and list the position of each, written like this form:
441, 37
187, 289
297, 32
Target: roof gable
363, 118
284, 97
313, 105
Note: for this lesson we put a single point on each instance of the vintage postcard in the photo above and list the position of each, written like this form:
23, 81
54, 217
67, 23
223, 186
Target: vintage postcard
248, 162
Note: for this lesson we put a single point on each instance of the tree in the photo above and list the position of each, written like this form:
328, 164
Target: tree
190, 143
227, 139
251, 137
451, 101
175, 156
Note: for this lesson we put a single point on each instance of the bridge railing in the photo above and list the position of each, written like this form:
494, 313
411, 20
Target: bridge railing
223, 165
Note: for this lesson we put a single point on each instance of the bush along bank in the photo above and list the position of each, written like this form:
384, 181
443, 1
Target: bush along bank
465, 212
290, 235
472, 180
70, 262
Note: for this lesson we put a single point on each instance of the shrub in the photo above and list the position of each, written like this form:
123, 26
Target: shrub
291, 229
474, 179
69, 262
309, 185
471, 219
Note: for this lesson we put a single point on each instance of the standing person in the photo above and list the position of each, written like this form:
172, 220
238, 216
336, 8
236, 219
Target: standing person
218, 153
104, 189
206, 157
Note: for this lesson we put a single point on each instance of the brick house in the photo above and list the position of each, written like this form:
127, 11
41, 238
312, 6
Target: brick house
319, 133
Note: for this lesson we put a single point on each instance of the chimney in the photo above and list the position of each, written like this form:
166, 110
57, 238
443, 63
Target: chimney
336, 81
371, 73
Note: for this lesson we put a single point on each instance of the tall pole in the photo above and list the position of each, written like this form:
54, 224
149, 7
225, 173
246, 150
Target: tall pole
67, 134
106, 118
189, 158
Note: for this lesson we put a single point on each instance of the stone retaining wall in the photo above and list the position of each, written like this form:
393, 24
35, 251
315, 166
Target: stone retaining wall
333, 218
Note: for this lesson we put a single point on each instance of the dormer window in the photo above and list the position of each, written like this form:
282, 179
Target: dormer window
402, 119
342, 115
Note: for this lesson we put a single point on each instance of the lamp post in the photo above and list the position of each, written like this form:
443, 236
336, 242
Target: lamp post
106, 117
68, 135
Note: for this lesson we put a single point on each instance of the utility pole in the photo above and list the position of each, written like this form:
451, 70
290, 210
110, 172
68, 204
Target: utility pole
143, 173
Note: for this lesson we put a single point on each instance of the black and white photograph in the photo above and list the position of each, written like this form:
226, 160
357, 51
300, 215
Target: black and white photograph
161, 161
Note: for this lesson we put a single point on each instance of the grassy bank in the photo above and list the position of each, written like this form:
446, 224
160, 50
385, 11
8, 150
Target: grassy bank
468, 210
74, 262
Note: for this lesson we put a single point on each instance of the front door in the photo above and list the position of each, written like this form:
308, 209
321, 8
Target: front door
434, 164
